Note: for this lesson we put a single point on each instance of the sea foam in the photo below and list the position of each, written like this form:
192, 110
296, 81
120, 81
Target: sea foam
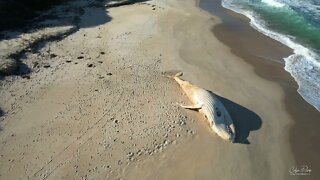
273, 3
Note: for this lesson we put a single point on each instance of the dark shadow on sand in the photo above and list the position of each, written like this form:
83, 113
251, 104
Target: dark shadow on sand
79, 14
76, 13
83, 15
244, 119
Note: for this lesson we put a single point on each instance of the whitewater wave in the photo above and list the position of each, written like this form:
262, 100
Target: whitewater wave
303, 65
273, 3
303, 73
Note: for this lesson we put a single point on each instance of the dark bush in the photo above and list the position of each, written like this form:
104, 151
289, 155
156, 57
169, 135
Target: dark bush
17, 13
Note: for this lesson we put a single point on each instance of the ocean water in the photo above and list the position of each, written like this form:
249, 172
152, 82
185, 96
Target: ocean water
295, 23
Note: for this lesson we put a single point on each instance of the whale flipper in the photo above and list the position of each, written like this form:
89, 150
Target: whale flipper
192, 107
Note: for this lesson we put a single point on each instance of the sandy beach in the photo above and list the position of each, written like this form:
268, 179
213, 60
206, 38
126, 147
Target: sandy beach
89, 101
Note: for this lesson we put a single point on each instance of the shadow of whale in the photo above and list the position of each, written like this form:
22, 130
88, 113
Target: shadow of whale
244, 119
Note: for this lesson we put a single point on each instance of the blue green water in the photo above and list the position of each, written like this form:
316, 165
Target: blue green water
295, 23
284, 16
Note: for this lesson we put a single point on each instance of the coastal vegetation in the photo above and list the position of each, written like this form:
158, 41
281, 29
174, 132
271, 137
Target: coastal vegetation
17, 13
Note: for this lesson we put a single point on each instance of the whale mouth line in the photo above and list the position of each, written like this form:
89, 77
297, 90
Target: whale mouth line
231, 133
229, 130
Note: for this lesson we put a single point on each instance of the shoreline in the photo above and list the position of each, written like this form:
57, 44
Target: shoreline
304, 114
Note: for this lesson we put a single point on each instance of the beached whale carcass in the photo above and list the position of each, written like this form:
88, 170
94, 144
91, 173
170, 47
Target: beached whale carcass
210, 106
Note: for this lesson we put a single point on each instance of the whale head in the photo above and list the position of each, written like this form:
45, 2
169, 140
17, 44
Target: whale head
226, 132
223, 124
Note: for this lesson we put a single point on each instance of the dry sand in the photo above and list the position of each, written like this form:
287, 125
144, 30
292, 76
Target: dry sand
96, 106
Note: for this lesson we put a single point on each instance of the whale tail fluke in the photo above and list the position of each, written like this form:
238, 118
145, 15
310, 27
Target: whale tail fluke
177, 78
178, 74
